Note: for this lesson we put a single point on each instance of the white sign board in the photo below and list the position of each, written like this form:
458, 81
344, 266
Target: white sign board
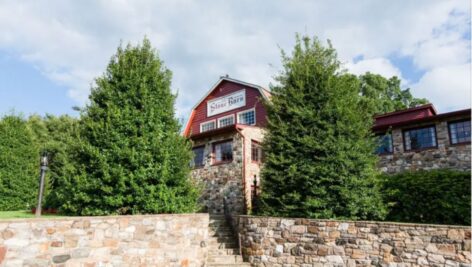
226, 103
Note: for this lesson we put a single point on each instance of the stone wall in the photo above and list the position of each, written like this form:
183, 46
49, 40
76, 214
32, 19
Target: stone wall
148, 240
444, 156
268, 241
223, 180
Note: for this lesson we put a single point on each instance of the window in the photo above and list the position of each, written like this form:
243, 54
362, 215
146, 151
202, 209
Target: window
385, 145
198, 159
207, 126
247, 117
223, 151
225, 121
459, 132
256, 152
420, 138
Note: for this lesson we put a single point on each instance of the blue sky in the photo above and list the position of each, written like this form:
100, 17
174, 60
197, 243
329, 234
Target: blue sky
24, 89
51, 52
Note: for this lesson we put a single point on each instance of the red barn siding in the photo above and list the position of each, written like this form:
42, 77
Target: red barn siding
253, 100
405, 115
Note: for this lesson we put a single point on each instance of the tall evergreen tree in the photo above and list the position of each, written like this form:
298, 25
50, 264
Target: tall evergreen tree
19, 164
131, 157
320, 161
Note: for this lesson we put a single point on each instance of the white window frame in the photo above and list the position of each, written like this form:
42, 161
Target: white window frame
225, 117
207, 122
244, 111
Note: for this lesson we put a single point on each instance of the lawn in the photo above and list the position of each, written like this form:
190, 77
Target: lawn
14, 214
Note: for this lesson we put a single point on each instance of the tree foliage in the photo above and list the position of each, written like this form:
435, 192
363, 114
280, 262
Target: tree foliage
130, 157
319, 151
381, 95
19, 164
436, 196
54, 136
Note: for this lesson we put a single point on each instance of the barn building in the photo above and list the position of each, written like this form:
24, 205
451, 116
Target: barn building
226, 128
227, 125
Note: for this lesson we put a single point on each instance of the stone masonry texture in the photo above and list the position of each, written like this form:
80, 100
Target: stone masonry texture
268, 241
222, 180
225, 181
444, 156
142, 240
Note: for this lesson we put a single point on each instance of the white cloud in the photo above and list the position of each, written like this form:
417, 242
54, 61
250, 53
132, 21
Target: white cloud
71, 42
449, 82
380, 66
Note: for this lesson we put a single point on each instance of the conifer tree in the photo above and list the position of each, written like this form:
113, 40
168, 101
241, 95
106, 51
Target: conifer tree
320, 160
19, 164
131, 158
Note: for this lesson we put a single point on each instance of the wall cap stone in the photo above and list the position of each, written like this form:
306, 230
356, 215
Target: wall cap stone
75, 218
351, 221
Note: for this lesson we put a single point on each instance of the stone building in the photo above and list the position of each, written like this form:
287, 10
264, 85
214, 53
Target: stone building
226, 128
420, 139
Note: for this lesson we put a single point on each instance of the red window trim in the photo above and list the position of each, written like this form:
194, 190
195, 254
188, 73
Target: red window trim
213, 152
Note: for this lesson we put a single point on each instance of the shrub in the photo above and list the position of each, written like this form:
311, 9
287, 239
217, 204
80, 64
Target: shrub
19, 164
436, 196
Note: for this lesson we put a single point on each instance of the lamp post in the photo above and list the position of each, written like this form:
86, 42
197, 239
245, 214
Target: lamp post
44, 167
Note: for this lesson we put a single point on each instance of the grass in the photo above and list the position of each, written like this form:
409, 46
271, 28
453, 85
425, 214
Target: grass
15, 214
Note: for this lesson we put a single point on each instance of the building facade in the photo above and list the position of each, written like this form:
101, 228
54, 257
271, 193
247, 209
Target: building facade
227, 125
420, 139
226, 128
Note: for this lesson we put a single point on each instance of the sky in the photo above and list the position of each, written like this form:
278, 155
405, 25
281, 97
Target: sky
51, 51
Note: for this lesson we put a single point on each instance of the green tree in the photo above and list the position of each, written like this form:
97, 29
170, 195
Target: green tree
319, 151
19, 164
130, 157
55, 136
381, 95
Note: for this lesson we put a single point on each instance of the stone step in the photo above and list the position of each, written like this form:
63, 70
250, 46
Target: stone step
217, 219
223, 259
222, 239
220, 234
241, 264
216, 246
217, 215
226, 231
220, 229
217, 223
224, 251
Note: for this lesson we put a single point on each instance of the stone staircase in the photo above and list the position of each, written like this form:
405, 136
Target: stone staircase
223, 247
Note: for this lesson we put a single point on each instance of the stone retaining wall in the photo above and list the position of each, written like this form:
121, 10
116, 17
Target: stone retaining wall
268, 241
147, 240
